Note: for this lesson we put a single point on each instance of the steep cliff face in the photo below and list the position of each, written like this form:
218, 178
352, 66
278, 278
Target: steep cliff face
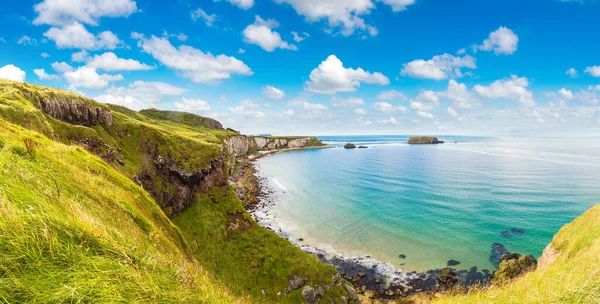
243, 145
76, 111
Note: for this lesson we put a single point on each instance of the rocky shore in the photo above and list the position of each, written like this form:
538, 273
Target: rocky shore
372, 279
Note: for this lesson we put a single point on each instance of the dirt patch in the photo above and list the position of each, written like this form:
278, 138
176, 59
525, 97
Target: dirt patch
237, 223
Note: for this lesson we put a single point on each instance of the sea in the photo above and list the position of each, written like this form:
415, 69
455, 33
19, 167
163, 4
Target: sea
416, 207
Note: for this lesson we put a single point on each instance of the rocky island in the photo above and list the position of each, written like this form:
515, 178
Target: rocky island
349, 146
424, 140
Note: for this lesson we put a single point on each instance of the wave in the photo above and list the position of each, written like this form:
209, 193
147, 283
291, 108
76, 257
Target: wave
280, 185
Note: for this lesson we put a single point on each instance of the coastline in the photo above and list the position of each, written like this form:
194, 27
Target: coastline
372, 279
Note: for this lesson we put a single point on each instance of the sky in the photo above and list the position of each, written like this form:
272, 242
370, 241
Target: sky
323, 67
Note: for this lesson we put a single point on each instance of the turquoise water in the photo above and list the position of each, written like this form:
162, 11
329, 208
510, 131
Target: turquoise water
433, 203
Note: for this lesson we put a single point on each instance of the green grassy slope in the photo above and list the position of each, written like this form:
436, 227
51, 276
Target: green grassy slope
72, 229
574, 277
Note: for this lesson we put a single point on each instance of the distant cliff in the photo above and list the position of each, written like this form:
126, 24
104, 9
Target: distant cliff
424, 140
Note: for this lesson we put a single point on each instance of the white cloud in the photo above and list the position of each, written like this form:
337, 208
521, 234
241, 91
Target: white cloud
63, 12
261, 33
26, 40
76, 36
300, 37
452, 112
243, 4
42, 75
425, 101
247, 109
571, 72
273, 93
61, 67
201, 14
385, 107
180, 36
110, 62
80, 56
461, 96
142, 94
313, 106
346, 102
45, 55
192, 63
439, 67
11, 72
565, 94
390, 120
331, 77
342, 15
391, 95
593, 70
192, 105
89, 78
129, 102
241, 51
514, 88
425, 114
360, 111
501, 41
364, 122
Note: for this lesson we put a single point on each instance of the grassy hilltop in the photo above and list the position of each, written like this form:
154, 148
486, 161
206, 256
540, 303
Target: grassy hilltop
99, 203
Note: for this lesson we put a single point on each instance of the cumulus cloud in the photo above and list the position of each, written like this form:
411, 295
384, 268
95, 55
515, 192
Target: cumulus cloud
390, 120
192, 63
192, 105
201, 14
514, 88
346, 102
45, 55
61, 67
300, 37
89, 78
140, 94
565, 94
364, 122
77, 36
439, 67
385, 107
307, 106
342, 16
502, 41
63, 12
452, 112
461, 96
243, 4
42, 75
129, 102
273, 93
110, 62
360, 111
425, 101
11, 72
26, 40
80, 56
593, 70
391, 95
425, 114
571, 72
331, 77
261, 33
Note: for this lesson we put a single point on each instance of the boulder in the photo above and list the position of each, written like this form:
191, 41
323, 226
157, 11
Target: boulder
447, 279
424, 140
351, 292
309, 294
513, 265
498, 251
362, 147
296, 282
349, 146
453, 263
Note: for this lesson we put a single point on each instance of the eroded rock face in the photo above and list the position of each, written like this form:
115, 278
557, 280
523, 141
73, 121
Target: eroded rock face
548, 257
76, 111
513, 265
424, 140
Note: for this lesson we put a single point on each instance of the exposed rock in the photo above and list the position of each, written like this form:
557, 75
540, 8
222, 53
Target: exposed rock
402, 256
548, 257
296, 282
447, 279
452, 263
362, 147
513, 265
498, 250
76, 111
424, 140
351, 292
349, 146
309, 294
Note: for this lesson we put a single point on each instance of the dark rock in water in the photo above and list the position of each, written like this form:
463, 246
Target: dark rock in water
513, 265
300, 240
362, 147
349, 146
402, 256
506, 234
516, 231
453, 263
498, 251
447, 279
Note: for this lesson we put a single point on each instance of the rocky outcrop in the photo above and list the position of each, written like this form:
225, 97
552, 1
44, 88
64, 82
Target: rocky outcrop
240, 145
548, 257
513, 265
76, 111
349, 146
424, 140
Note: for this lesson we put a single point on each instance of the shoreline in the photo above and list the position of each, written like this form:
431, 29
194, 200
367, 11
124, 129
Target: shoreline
372, 278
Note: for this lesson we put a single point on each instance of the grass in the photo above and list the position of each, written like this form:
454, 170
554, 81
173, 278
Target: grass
72, 229
251, 260
574, 277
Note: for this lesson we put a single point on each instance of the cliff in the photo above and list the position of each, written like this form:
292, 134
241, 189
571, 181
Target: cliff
424, 140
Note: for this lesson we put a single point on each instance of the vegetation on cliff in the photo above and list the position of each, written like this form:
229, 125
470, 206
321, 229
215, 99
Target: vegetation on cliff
424, 140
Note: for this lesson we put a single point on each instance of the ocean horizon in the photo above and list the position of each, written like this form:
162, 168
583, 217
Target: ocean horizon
419, 207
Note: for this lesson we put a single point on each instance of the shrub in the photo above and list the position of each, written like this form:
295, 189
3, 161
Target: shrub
2, 143
30, 145
18, 150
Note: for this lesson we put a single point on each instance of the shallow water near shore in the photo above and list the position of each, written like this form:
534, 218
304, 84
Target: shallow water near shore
432, 203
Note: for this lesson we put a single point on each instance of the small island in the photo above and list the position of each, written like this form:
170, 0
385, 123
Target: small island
349, 146
424, 140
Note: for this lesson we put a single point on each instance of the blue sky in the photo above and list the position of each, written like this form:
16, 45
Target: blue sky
323, 66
